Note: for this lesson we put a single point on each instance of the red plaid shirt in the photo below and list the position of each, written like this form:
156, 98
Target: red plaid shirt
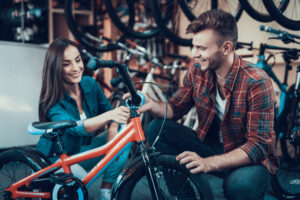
249, 113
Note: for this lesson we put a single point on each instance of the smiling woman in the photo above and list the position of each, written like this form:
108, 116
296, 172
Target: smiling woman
68, 95
72, 66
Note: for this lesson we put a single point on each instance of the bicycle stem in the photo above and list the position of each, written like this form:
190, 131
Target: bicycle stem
94, 63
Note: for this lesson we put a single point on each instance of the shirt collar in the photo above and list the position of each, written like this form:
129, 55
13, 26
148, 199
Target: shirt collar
85, 89
85, 85
229, 84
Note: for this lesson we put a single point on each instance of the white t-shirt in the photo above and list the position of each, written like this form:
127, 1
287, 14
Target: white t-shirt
82, 116
220, 109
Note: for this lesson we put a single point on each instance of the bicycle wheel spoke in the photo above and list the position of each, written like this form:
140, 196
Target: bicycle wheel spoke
4, 172
292, 12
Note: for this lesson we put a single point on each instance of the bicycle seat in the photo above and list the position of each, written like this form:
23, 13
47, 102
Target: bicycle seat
39, 128
58, 125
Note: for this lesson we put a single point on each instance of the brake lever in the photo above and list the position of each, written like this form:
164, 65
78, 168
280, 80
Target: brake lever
285, 39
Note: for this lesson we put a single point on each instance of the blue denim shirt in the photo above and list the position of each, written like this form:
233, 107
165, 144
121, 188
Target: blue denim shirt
94, 102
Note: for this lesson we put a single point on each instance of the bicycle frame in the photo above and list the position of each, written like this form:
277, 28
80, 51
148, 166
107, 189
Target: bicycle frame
132, 132
262, 63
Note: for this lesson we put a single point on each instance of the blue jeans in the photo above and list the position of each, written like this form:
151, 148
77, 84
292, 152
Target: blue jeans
248, 182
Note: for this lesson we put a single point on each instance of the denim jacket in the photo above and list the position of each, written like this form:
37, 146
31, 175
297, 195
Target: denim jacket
94, 102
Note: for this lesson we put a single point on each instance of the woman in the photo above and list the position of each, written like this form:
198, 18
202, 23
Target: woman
68, 95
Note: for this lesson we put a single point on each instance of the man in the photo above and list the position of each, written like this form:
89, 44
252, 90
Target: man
235, 106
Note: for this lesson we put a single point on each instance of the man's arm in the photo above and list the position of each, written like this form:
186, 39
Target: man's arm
157, 108
259, 135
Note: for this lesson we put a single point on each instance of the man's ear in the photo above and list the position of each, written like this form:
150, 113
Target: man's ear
227, 47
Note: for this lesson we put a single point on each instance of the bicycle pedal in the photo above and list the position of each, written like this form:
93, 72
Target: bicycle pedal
61, 177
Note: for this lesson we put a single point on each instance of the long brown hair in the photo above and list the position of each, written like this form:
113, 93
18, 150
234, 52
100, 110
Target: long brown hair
52, 77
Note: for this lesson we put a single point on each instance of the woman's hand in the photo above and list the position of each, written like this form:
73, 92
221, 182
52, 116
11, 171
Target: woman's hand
120, 114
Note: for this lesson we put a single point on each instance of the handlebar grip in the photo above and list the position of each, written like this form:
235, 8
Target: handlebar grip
116, 81
94, 63
278, 31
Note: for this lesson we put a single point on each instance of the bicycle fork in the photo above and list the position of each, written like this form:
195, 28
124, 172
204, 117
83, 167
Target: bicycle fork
151, 177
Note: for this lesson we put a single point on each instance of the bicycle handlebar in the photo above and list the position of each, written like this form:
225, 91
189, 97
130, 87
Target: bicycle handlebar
94, 63
240, 45
282, 35
263, 47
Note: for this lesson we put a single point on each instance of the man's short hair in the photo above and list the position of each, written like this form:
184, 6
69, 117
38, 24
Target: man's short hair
223, 23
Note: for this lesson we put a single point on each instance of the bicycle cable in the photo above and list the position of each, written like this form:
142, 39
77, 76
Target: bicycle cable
165, 117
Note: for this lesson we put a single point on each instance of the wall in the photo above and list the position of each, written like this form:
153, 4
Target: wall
20, 83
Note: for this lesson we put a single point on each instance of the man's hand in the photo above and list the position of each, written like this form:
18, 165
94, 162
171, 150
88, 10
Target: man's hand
147, 106
193, 162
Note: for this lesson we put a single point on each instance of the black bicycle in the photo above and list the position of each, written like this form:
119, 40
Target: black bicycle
92, 37
191, 10
286, 183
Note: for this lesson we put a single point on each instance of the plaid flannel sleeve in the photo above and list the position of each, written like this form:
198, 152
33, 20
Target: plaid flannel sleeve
260, 121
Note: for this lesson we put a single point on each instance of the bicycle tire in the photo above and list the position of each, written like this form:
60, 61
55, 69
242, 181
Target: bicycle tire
235, 10
129, 28
163, 26
283, 17
13, 162
187, 10
83, 37
288, 150
285, 184
38, 156
166, 166
257, 10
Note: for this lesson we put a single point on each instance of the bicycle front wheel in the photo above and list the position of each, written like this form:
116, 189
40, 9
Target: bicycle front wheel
174, 182
290, 17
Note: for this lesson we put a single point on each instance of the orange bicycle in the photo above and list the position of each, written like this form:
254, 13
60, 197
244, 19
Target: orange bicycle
27, 174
